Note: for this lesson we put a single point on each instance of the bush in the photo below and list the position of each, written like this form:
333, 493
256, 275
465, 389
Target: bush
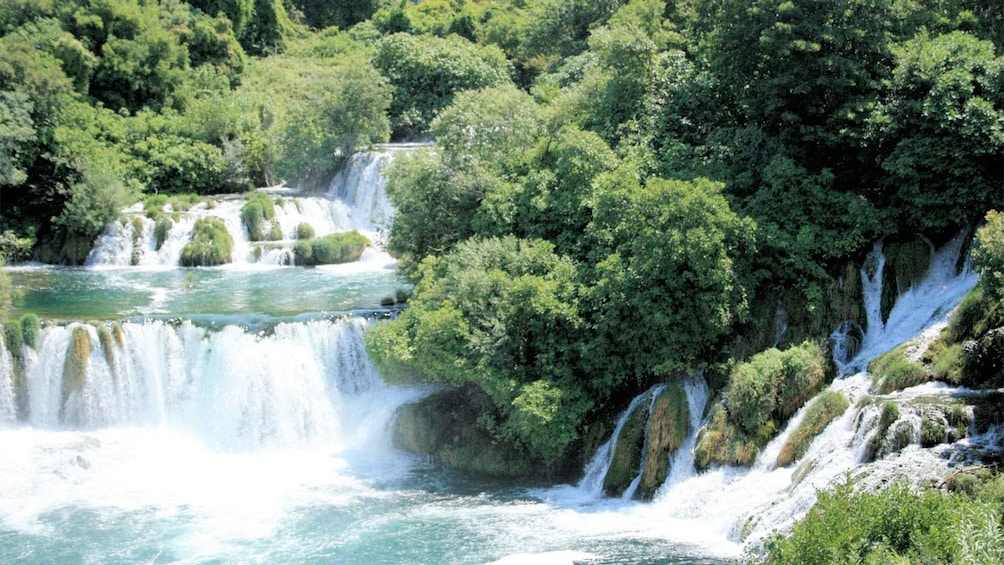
893, 525
304, 231
721, 442
160, 229
823, 410
211, 244
343, 247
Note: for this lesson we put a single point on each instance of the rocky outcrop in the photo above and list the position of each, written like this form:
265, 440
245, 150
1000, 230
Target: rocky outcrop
445, 427
653, 432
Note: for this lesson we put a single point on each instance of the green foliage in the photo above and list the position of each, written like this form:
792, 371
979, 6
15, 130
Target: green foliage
332, 249
259, 209
665, 286
896, 523
31, 326
7, 292
894, 371
824, 409
773, 385
426, 72
721, 442
304, 231
499, 314
211, 244
74, 370
988, 254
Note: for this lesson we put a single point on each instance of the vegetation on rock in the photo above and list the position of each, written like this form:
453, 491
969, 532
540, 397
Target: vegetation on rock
211, 244
332, 249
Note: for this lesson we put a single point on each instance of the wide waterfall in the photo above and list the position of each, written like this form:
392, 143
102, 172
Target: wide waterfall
355, 200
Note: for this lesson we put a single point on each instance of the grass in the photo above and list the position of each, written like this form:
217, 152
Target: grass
823, 410
894, 371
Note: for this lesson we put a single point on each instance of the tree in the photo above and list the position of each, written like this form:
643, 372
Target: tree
665, 286
426, 72
943, 125
498, 313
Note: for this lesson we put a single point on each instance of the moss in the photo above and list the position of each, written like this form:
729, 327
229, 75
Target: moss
257, 211
824, 409
888, 416
275, 232
160, 230
304, 231
31, 327
893, 371
722, 443
343, 247
211, 244
107, 342
75, 368
669, 425
628, 449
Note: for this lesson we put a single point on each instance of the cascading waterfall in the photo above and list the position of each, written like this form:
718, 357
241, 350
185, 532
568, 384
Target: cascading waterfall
747, 505
235, 389
355, 200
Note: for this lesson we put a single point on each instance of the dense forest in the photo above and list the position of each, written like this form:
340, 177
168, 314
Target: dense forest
621, 192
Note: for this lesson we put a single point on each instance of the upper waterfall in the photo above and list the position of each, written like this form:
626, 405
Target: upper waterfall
355, 200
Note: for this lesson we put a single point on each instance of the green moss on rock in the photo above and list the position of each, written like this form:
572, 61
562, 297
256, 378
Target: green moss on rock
74, 370
669, 425
211, 244
824, 409
333, 249
628, 449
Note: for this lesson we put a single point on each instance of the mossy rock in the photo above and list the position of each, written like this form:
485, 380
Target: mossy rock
74, 372
668, 428
721, 442
160, 231
211, 244
445, 426
13, 338
906, 263
256, 213
824, 409
894, 371
332, 249
304, 231
628, 449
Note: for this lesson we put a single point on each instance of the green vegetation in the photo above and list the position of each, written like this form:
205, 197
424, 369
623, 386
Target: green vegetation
332, 249
304, 231
74, 369
211, 244
256, 214
897, 525
31, 326
895, 371
824, 409
761, 395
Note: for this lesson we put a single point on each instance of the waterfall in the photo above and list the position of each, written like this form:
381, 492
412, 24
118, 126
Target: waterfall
355, 200
917, 308
8, 403
596, 469
236, 389
629, 492
682, 465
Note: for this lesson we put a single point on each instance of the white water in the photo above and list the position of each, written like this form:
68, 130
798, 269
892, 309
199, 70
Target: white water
355, 200
727, 507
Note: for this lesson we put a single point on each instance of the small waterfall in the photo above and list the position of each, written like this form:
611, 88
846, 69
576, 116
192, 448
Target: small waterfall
682, 463
8, 402
355, 200
629, 492
597, 468
236, 389
918, 307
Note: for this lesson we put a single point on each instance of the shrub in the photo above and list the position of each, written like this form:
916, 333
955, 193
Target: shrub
304, 231
803, 374
343, 247
721, 442
823, 410
211, 244
30, 328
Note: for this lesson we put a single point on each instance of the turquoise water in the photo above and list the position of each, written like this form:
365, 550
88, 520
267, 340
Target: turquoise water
112, 294
219, 443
